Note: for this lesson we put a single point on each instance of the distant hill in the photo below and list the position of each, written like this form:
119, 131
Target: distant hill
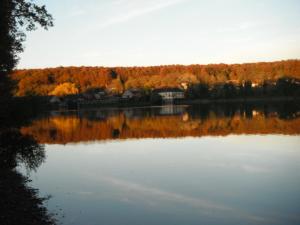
42, 82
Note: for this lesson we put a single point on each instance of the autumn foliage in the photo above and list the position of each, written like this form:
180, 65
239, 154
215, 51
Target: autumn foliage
117, 79
64, 89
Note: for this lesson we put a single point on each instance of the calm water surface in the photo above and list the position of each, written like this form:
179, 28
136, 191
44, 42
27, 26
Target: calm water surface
170, 165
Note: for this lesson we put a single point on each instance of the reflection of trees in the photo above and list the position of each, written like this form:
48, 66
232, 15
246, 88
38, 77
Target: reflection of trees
16, 148
152, 123
20, 204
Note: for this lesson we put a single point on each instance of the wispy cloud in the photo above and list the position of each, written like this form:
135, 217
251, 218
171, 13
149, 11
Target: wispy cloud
136, 190
162, 194
137, 12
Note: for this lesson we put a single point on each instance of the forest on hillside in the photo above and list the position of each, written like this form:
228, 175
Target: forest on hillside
197, 80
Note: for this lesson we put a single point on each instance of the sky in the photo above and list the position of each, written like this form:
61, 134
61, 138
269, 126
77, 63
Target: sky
160, 32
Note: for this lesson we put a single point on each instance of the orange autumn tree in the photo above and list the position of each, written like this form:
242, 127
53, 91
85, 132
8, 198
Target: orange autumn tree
65, 89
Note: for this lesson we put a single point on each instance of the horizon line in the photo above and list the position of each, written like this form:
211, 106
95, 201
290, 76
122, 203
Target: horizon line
160, 65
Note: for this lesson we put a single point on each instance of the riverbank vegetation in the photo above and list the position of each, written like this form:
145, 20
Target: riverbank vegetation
280, 78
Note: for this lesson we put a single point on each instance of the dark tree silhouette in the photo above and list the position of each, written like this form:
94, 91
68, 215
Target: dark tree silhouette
20, 204
16, 17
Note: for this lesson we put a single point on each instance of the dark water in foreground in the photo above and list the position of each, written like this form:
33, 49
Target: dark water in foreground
171, 165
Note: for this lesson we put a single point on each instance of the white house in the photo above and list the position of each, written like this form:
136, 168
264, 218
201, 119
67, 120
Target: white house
170, 94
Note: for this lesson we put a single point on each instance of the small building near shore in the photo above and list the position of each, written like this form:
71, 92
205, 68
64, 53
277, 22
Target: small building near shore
170, 94
100, 95
55, 100
132, 93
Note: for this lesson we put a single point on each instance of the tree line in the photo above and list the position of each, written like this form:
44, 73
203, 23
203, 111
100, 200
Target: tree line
214, 80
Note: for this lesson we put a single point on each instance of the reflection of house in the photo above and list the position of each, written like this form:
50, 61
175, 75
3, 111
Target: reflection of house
185, 117
255, 112
132, 93
172, 110
169, 94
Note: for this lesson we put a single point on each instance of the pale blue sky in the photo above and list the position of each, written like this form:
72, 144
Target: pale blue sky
156, 32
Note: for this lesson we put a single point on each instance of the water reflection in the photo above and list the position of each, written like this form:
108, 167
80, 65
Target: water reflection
20, 204
164, 122
224, 177
16, 149
244, 179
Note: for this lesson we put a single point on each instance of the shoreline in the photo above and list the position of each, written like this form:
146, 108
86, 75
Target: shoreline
241, 100
128, 104
41, 103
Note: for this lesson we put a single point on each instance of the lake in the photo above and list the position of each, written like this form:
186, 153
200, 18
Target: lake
173, 164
